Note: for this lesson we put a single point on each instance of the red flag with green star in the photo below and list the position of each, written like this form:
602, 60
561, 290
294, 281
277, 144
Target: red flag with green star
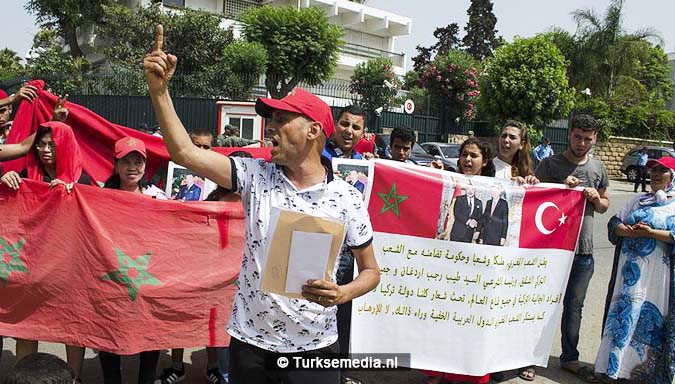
405, 199
116, 271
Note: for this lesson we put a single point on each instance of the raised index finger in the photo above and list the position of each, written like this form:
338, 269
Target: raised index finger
159, 37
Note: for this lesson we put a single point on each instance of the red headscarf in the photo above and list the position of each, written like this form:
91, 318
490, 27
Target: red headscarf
67, 154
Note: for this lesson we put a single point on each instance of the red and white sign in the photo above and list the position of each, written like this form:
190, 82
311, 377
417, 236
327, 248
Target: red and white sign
409, 106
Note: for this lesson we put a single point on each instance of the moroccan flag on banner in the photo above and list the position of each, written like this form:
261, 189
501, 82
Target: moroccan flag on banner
469, 261
405, 199
116, 271
95, 135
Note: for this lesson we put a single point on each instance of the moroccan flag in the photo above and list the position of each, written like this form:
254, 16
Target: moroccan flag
116, 271
551, 220
405, 199
95, 135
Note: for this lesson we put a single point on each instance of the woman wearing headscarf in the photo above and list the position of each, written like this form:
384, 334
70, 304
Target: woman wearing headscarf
638, 339
55, 159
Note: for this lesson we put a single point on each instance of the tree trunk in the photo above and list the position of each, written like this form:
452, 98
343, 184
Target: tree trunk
70, 35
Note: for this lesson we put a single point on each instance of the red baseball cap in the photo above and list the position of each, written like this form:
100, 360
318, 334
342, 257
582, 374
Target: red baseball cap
126, 145
302, 102
667, 161
3, 94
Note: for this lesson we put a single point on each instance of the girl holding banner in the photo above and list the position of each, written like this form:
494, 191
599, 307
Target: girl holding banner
43, 164
475, 158
129, 175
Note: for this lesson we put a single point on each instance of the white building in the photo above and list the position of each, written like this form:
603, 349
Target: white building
369, 32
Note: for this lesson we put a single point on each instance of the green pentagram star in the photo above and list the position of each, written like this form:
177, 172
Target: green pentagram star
391, 200
121, 275
15, 264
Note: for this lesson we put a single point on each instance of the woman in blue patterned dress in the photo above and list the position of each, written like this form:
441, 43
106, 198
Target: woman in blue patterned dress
638, 340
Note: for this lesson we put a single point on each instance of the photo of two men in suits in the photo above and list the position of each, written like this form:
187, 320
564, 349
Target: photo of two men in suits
475, 223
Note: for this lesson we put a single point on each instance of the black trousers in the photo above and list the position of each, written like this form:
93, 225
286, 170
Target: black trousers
112, 367
252, 365
641, 178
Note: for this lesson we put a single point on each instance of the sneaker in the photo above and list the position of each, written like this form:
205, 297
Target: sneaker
213, 376
171, 376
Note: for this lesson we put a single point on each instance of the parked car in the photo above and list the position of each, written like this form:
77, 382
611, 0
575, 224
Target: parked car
418, 154
444, 151
629, 163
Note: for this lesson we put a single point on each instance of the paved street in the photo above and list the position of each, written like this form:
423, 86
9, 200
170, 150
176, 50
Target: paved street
620, 192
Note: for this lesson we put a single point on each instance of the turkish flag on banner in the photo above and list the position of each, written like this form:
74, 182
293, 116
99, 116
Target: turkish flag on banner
551, 220
405, 199
116, 271
95, 135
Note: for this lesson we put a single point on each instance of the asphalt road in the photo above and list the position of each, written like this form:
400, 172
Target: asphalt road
195, 360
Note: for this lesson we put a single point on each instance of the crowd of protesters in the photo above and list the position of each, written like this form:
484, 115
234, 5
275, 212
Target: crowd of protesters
303, 139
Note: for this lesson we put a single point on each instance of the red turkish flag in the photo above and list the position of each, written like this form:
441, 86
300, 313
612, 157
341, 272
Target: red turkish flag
405, 199
551, 218
116, 271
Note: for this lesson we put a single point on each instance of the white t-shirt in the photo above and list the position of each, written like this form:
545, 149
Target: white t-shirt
502, 169
270, 321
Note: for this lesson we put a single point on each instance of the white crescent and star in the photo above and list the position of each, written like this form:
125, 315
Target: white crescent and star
540, 212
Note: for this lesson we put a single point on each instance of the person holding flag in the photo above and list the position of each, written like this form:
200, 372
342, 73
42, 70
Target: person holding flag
266, 327
575, 167
43, 164
129, 175
475, 158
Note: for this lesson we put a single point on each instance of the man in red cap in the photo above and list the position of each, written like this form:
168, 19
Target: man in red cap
266, 327
27, 92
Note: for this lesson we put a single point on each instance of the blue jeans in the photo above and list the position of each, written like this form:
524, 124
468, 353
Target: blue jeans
345, 275
577, 286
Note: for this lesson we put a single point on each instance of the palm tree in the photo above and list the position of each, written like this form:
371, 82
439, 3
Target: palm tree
604, 48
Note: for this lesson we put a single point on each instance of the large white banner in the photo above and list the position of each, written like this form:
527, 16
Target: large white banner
461, 308
464, 306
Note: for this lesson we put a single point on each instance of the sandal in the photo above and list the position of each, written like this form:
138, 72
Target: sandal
584, 372
528, 373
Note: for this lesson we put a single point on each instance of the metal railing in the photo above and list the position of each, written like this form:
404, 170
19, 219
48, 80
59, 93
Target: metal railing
234, 8
362, 51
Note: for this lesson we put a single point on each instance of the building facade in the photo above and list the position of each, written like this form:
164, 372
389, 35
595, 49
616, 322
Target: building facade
369, 32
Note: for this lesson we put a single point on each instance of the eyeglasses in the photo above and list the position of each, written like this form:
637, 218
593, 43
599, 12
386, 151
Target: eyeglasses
203, 146
51, 145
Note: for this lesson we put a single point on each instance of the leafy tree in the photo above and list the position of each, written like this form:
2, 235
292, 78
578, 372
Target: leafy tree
67, 17
447, 39
376, 85
423, 57
453, 81
10, 65
527, 80
653, 71
302, 46
480, 40
62, 72
210, 62
607, 50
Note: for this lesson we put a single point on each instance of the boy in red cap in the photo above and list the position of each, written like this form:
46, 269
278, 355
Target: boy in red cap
264, 326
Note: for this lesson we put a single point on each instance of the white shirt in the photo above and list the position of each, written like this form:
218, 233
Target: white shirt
270, 321
502, 169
